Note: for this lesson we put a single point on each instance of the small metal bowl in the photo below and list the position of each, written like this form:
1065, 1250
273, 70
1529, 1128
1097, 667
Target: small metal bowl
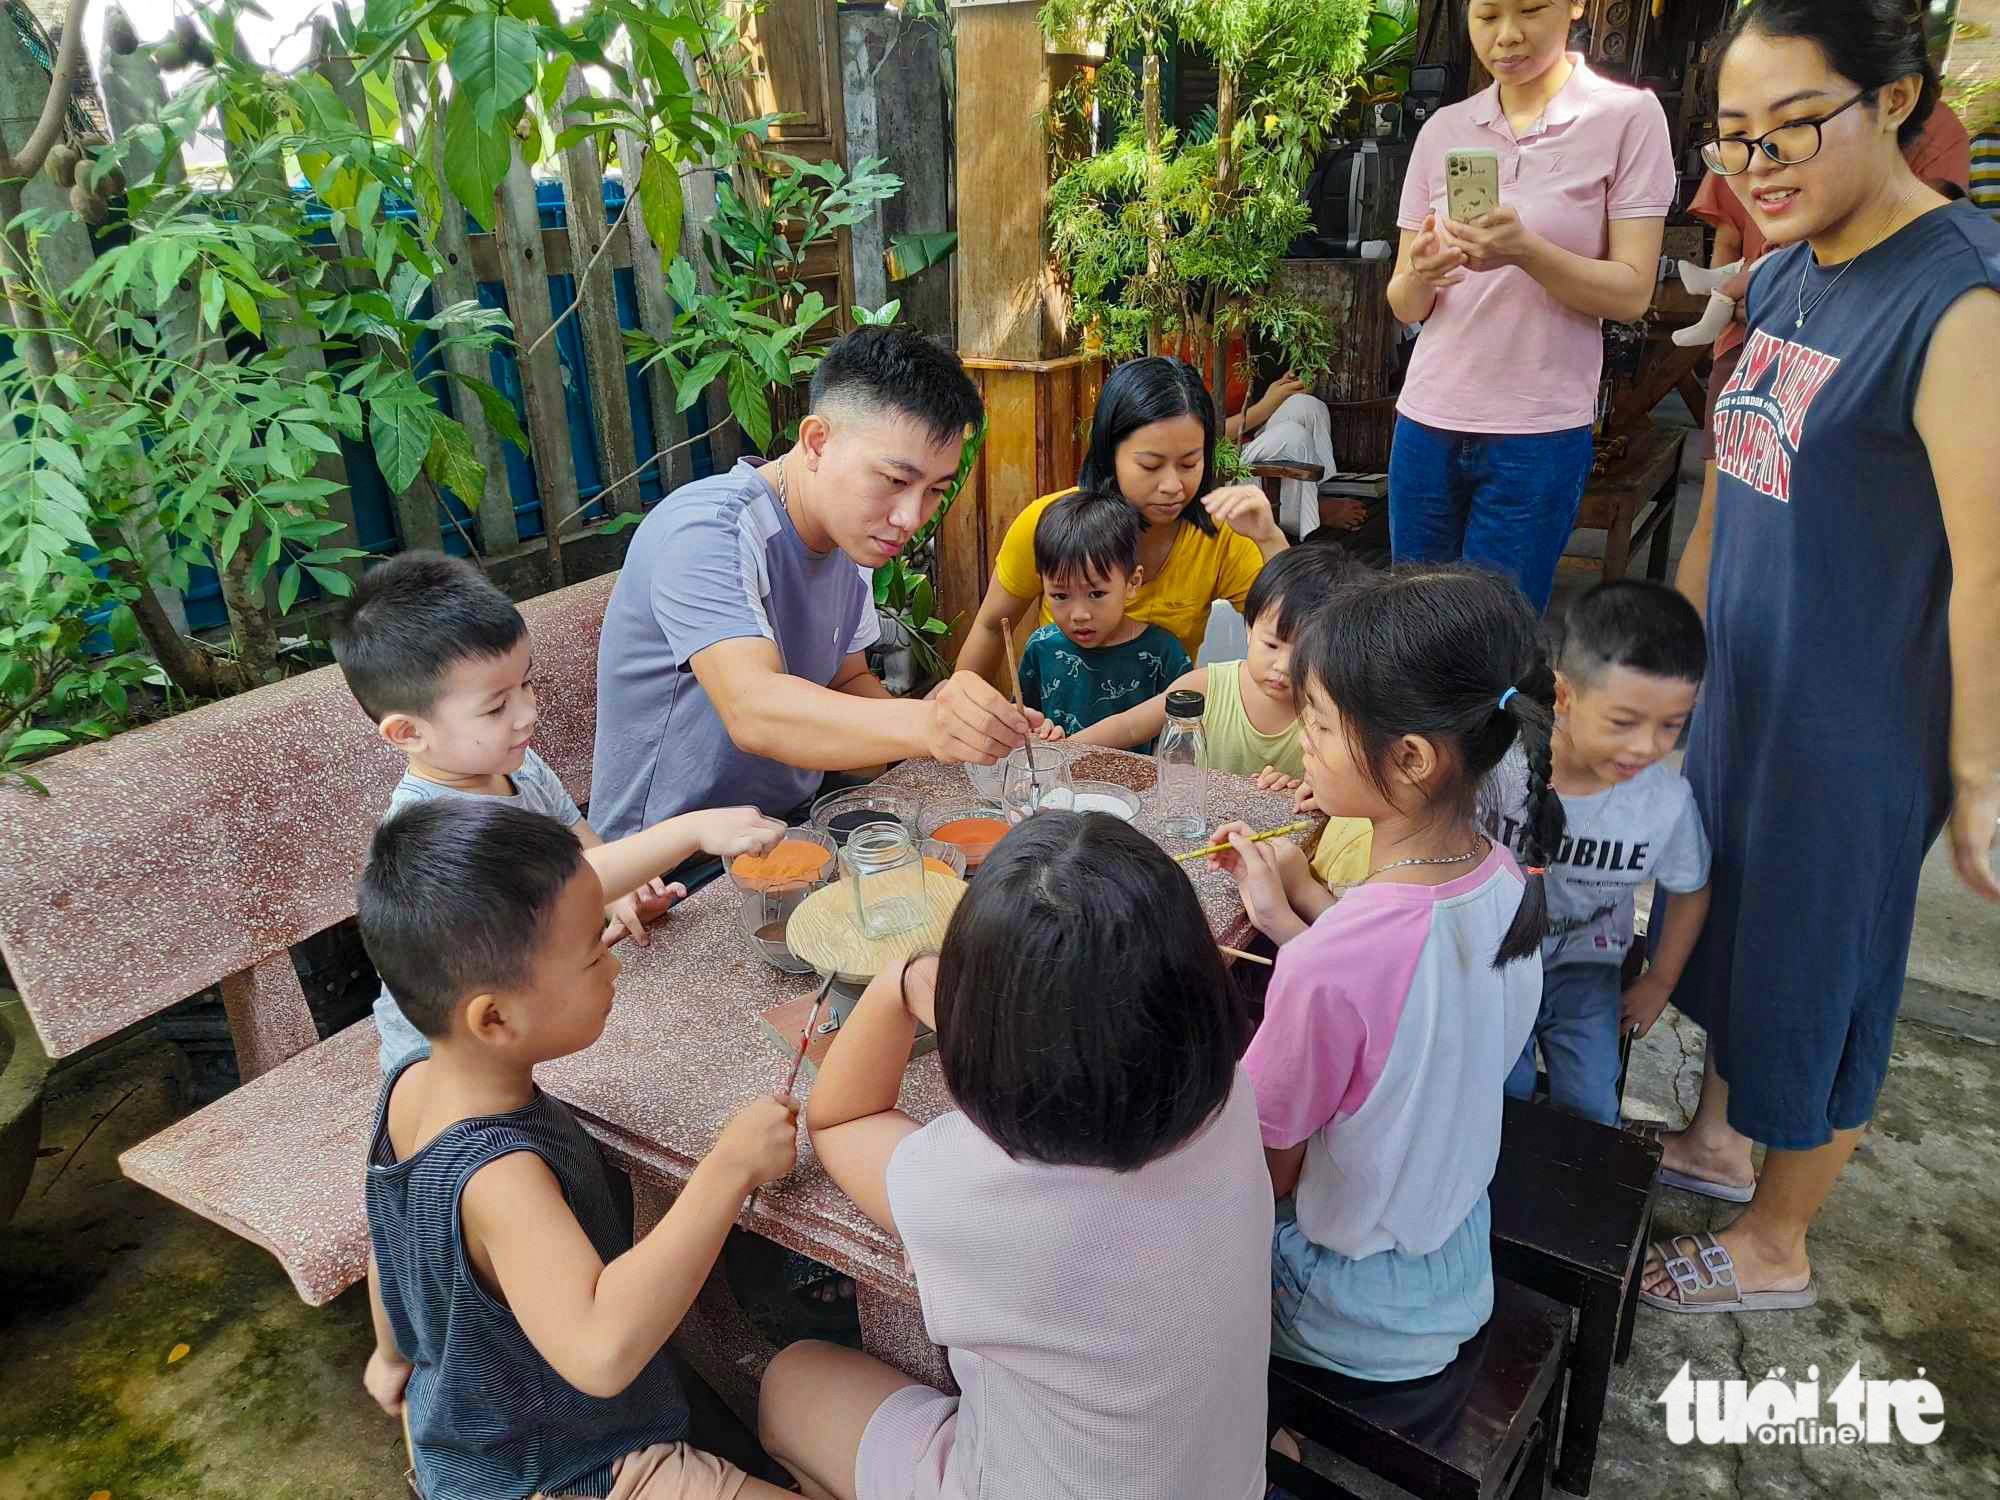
838, 814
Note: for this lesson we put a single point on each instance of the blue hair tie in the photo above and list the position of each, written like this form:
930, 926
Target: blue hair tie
1505, 696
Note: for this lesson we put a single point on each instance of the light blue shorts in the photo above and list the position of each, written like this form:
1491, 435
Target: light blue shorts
1387, 1316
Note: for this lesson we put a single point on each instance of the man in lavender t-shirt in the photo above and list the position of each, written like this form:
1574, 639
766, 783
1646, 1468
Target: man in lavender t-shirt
732, 666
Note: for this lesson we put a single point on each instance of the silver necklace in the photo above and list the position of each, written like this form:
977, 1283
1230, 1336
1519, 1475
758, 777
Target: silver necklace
1449, 859
1805, 267
780, 486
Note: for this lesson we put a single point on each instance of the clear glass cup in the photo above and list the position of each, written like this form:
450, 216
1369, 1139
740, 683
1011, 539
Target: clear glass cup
1035, 779
881, 861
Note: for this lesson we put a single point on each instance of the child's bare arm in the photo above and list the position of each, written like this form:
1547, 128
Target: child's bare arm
388, 1372
1679, 928
623, 865
1285, 1166
1142, 722
599, 1325
852, 1116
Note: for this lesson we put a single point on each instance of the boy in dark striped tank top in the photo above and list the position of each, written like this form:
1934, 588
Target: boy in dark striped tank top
517, 1326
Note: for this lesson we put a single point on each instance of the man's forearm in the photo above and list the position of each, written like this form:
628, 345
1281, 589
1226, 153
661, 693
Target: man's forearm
788, 719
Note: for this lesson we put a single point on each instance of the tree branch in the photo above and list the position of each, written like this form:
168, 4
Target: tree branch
62, 84
626, 478
576, 301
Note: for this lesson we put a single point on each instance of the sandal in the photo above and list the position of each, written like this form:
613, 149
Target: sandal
1704, 1279
1687, 1182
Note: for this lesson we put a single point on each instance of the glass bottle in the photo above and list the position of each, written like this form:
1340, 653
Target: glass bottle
887, 873
1180, 801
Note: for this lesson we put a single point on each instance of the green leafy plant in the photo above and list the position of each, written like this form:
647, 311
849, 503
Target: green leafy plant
672, 73
1167, 242
760, 330
58, 682
164, 415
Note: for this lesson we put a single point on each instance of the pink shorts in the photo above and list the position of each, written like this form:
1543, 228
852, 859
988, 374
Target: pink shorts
673, 1471
906, 1446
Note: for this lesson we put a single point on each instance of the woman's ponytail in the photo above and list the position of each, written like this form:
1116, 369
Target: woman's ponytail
1531, 705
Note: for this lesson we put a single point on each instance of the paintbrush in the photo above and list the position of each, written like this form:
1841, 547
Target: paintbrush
1255, 958
1027, 748
799, 1061
1255, 838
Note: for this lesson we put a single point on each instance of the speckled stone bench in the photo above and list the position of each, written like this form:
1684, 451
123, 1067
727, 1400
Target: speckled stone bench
196, 852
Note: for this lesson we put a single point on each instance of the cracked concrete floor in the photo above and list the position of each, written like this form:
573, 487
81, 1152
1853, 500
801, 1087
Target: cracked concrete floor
102, 1279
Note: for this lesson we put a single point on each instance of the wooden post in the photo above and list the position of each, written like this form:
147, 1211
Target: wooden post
597, 311
498, 530
656, 316
518, 234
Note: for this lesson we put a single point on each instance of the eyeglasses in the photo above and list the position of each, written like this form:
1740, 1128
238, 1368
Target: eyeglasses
1788, 145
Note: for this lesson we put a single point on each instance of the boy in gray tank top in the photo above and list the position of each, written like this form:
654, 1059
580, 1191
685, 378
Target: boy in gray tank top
517, 1326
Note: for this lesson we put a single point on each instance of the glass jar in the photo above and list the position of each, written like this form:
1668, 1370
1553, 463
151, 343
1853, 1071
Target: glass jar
882, 863
1180, 801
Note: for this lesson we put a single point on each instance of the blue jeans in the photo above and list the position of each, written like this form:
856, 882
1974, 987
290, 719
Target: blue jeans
1578, 1032
1503, 500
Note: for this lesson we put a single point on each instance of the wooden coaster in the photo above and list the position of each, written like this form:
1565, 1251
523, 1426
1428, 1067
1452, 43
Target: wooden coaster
822, 931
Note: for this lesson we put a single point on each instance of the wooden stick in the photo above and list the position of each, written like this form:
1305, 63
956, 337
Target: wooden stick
1014, 671
1255, 958
1255, 838
799, 1061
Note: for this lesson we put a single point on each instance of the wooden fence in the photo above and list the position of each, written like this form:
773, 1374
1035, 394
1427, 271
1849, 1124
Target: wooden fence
572, 269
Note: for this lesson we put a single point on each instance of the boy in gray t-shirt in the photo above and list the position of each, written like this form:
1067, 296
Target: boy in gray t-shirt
439, 658
1632, 659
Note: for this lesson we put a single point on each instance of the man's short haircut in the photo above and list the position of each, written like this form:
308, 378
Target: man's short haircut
1633, 623
1294, 584
1088, 536
410, 621
899, 370
455, 901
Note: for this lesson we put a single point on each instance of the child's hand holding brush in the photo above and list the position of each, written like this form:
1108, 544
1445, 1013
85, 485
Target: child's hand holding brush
1264, 872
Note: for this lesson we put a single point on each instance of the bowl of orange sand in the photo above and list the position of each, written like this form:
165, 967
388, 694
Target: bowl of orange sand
802, 860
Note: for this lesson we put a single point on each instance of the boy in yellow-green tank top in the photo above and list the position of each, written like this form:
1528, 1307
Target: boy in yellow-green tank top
1250, 724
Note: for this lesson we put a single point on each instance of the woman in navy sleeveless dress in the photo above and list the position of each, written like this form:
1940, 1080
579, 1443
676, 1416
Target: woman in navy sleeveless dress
1852, 584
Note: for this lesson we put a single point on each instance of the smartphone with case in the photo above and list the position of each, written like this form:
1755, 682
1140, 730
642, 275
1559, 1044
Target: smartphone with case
1471, 182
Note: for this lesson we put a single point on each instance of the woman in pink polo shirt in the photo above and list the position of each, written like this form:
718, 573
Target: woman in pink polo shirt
1492, 446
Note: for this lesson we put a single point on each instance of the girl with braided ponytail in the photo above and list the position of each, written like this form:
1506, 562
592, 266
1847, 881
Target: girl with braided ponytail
1395, 1013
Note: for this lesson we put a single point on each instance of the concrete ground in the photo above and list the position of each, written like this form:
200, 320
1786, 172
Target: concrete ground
100, 1281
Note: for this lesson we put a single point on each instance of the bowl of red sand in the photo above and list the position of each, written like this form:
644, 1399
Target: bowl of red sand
972, 828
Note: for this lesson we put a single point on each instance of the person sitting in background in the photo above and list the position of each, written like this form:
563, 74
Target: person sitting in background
1095, 658
1288, 424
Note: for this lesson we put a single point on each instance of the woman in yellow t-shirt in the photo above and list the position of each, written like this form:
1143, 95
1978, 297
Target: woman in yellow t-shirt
1153, 440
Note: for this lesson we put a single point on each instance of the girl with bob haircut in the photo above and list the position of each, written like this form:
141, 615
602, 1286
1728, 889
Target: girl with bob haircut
1089, 1228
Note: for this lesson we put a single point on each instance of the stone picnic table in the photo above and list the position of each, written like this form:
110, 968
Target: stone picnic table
685, 1048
